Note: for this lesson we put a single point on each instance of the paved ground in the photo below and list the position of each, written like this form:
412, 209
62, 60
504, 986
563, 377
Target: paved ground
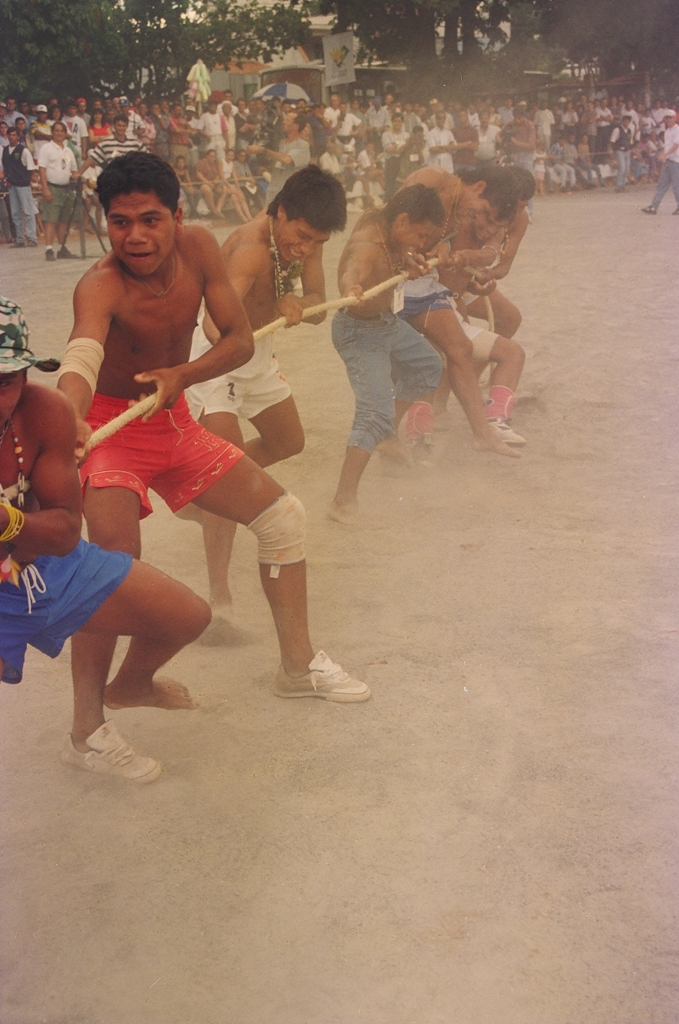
492, 838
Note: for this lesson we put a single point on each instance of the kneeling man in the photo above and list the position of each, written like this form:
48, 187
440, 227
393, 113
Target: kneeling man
53, 584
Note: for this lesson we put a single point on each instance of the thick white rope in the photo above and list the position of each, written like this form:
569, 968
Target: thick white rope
146, 404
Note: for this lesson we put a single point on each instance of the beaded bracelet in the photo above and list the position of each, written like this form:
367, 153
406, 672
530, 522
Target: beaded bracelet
15, 525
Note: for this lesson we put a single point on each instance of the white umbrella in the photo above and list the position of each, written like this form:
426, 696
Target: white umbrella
284, 90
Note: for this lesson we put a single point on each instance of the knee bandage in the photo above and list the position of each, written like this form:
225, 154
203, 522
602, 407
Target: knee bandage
84, 356
279, 530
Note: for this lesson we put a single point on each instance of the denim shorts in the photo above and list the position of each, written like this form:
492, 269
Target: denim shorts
386, 359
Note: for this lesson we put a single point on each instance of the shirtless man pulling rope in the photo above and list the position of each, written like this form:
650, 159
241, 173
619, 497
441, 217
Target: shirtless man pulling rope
265, 260
135, 312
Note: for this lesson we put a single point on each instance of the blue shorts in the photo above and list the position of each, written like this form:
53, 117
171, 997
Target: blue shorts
416, 304
386, 359
55, 597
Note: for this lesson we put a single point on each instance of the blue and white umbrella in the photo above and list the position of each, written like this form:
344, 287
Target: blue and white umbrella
284, 90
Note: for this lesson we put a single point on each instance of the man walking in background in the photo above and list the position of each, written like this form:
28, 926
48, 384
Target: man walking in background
669, 158
18, 168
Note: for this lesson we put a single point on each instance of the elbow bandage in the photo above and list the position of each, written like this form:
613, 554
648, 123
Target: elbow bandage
280, 532
84, 356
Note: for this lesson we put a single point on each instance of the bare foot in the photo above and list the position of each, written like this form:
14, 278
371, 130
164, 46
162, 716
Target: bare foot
164, 693
346, 514
494, 444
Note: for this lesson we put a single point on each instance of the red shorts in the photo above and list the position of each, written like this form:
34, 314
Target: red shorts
170, 453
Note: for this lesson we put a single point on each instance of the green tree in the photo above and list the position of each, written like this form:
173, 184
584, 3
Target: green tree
53, 46
620, 36
69, 47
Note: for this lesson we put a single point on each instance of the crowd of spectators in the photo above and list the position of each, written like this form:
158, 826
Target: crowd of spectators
237, 155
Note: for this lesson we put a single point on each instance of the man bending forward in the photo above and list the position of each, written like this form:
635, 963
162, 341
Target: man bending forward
264, 260
52, 583
135, 311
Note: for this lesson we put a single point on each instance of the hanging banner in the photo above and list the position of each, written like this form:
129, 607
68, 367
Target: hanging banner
338, 53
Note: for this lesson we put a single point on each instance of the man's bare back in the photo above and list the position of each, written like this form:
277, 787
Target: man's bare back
365, 262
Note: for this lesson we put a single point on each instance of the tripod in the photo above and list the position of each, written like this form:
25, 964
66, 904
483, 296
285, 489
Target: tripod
80, 208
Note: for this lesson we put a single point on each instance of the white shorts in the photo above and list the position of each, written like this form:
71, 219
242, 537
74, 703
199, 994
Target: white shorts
244, 392
482, 339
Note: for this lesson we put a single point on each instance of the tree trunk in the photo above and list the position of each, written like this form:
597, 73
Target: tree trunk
342, 8
424, 36
451, 22
468, 22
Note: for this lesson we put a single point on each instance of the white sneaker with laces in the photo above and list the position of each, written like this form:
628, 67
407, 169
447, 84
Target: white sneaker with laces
325, 679
503, 429
110, 755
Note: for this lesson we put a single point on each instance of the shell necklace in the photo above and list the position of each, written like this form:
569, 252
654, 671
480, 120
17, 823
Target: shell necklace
283, 279
19, 489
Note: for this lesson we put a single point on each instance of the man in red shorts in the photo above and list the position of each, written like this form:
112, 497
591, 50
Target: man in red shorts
135, 312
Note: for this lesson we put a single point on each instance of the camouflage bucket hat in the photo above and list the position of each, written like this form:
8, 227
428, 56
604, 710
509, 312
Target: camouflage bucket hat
14, 351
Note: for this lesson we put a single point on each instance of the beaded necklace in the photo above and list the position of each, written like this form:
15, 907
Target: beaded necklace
17, 490
394, 269
283, 279
453, 207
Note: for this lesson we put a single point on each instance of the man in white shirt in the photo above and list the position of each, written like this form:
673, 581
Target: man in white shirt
544, 122
211, 125
442, 145
349, 128
332, 113
410, 118
629, 109
328, 161
11, 113
57, 168
376, 120
669, 158
506, 111
658, 113
448, 122
393, 145
230, 129
135, 125
486, 151
604, 120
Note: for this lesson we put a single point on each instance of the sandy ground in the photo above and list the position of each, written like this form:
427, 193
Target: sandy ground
492, 838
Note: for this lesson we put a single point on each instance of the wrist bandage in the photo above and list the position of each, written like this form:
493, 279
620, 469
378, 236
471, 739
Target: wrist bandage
280, 532
84, 356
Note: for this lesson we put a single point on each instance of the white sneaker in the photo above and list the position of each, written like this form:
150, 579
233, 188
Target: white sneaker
111, 755
503, 429
325, 679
